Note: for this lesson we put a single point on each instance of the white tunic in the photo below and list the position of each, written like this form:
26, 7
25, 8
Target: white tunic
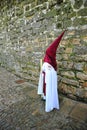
52, 100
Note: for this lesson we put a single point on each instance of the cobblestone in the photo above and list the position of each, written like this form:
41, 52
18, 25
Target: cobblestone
22, 109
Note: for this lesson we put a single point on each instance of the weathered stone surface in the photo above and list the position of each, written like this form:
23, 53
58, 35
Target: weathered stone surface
76, 41
65, 56
79, 112
69, 104
84, 38
81, 93
79, 21
80, 50
71, 33
85, 3
85, 68
78, 4
84, 84
80, 58
71, 82
68, 74
81, 75
59, 57
82, 12
79, 66
67, 89
70, 65
64, 64
68, 50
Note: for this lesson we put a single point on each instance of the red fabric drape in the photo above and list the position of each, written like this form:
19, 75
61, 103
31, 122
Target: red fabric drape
44, 84
50, 56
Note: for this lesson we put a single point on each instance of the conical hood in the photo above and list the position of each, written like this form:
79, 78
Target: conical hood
50, 55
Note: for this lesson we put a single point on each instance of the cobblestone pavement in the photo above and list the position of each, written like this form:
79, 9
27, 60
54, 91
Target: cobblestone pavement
22, 109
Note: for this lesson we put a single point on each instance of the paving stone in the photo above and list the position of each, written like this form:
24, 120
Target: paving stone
79, 112
33, 94
67, 106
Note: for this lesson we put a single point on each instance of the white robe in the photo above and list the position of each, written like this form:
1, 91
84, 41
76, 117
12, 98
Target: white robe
52, 100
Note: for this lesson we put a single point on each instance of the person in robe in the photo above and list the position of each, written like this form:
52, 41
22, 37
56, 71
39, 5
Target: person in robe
47, 86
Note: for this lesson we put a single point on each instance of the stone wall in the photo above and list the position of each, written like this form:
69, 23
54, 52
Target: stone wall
29, 26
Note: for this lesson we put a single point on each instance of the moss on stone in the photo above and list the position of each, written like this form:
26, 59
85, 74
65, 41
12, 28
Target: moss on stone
80, 21
27, 8
78, 4
40, 8
70, 44
67, 23
59, 25
67, 8
51, 4
82, 12
51, 13
85, 4
33, 5
25, 2
19, 12
40, 1
71, 15
72, 54
30, 13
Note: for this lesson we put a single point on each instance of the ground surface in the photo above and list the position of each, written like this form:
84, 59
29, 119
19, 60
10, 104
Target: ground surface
22, 109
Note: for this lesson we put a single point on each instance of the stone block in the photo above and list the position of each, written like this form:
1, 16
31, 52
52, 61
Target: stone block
62, 87
79, 66
76, 41
66, 106
70, 65
59, 63
85, 95
82, 12
33, 94
67, 23
64, 64
71, 33
85, 3
84, 39
70, 81
68, 89
27, 7
19, 11
68, 74
81, 75
29, 13
85, 68
65, 56
84, 84
81, 93
80, 50
80, 21
81, 58
51, 13
71, 15
63, 42
78, 4
59, 57
68, 50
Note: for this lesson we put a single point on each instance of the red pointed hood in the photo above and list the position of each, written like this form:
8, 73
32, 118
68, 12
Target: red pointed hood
50, 56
